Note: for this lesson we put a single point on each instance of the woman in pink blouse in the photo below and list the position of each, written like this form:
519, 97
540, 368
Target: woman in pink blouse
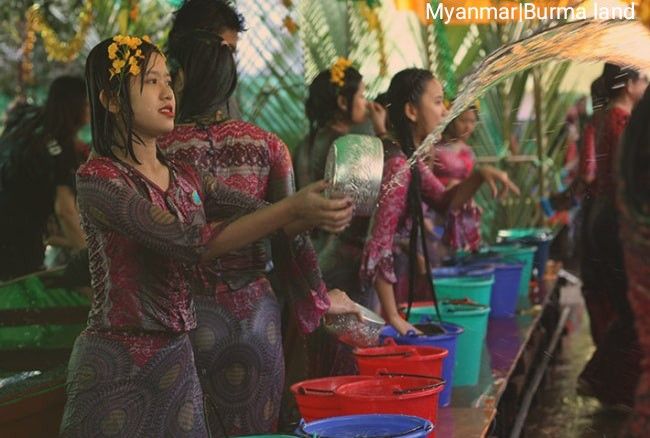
453, 163
148, 222
416, 107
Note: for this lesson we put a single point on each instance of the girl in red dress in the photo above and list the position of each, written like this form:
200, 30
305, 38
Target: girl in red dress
416, 107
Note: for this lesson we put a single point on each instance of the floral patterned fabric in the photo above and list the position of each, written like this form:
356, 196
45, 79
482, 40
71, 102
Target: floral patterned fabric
132, 370
391, 213
453, 164
463, 226
258, 163
238, 344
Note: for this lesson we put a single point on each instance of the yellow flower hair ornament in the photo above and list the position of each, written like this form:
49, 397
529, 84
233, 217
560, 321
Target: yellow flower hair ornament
125, 55
337, 72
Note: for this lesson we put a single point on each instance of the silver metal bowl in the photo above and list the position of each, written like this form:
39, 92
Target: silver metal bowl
354, 167
348, 329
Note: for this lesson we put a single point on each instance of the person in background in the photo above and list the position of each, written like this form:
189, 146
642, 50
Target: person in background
38, 160
239, 301
603, 271
335, 105
453, 163
216, 16
633, 196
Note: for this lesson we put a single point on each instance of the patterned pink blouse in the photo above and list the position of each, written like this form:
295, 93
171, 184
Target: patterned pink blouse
451, 164
143, 243
258, 163
391, 215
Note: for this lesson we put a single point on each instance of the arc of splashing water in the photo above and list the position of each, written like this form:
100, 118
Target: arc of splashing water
624, 42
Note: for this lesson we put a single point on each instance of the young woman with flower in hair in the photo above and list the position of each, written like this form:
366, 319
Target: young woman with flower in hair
416, 108
149, 221
336, 103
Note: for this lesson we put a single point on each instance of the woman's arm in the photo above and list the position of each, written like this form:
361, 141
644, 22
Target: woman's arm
108, 202
66, 212
386, 294
459, 194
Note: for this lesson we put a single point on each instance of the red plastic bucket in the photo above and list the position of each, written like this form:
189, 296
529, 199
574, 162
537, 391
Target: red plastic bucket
410, 359
394, 394
316, 398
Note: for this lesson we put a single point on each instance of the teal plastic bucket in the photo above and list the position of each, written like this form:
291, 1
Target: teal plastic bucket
522, 254
474, 319
477, 289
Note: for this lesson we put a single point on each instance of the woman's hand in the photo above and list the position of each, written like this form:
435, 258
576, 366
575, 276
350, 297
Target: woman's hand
402, 326
341, 304
492, 176
332, 215
378, 116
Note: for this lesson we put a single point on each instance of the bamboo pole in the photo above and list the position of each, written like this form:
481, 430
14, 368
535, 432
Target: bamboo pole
539, 131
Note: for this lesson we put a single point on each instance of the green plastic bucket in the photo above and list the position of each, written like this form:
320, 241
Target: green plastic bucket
474, 319
522, 254
477, 289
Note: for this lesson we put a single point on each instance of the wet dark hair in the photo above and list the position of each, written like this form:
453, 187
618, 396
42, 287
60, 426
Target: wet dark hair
65, 107
17, 113
408, 86
322, 106
113, 129
30, 129
60, 118
382, 99
212, 15
209, 73
616, 77
635, 155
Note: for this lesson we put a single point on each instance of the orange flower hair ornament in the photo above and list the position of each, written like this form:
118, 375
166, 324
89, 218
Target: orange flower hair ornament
337, 72
125, 55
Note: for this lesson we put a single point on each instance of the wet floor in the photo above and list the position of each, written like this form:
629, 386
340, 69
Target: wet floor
559, 412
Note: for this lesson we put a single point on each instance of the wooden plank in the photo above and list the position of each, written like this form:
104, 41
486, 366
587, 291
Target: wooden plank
43, 316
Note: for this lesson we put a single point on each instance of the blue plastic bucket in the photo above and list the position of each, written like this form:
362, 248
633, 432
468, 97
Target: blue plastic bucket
374, 426
505, 291
540, 237
517, 253
469, 348
448, 341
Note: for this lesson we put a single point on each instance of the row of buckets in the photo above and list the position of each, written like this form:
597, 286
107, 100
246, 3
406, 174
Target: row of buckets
402, 383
